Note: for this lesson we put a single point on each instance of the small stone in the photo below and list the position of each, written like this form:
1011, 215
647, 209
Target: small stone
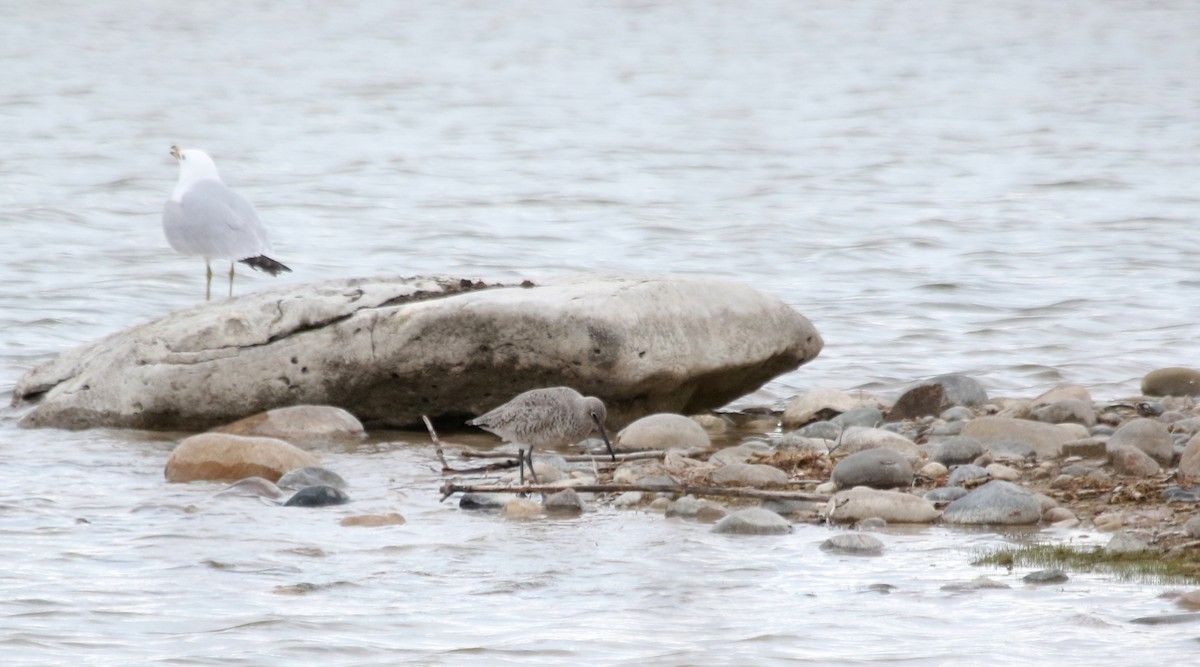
867, 415
967, 475
659, 504
1172, 382
566, 501
728, 455
317, 496
957, 450
876, 468
1068, 411
945, 494
826, 488
628, 499
1017, 435
224, 457
978, 583
374, 520
1148, 435
892, 506
920, 401
712, 424
960, 389
299, 423
957, 413
1063, 393
1124, 543
521, 508
934, 470
662, 431
822, 430
996, 502
1133, 462
688, 507
870, 523
817, 404
753, 521
748, 474
859, 438
1109, 522
711, 514
1003, 472
1057, 514
480, 501
1189, 460
252, 486
1041, 577
1192, 527
311, 476
858, 544
1087, 448
1189, 600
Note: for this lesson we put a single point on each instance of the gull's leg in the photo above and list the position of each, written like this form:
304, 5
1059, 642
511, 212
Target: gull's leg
231, 280
208, 280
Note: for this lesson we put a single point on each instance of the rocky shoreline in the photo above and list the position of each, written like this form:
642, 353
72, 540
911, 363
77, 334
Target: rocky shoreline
1129, 468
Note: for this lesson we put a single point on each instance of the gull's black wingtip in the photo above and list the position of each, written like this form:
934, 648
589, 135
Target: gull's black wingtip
264, 263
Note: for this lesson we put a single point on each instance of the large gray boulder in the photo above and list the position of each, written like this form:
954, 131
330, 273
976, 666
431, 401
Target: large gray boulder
391, 349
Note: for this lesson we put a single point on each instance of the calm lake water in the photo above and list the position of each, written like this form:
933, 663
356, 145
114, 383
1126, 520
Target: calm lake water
1004, 188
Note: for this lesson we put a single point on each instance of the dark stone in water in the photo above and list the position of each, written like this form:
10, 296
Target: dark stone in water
480, 501
1046, 577
317, 496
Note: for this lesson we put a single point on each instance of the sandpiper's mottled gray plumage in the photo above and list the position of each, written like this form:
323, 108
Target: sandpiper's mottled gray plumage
547, 418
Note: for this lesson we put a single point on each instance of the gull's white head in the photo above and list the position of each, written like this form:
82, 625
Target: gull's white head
194, 165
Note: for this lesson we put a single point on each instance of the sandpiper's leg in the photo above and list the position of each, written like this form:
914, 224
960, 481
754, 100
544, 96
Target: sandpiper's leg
529, 458
208, 280
231, 280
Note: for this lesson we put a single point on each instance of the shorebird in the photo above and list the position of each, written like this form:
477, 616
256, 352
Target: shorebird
545, 418
204, 217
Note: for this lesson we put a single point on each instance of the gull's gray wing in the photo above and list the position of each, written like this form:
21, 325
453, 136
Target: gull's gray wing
216, 222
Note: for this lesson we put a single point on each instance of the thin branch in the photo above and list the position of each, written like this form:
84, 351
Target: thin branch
584, 458
450, 488
437, 444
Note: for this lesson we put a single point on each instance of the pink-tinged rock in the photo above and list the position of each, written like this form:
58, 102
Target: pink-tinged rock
224, 457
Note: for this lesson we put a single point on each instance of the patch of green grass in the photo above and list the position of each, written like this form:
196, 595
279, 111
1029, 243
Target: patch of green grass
1146, 566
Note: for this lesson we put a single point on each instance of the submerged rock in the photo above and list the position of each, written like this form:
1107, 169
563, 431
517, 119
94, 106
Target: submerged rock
753, 521
390, 350
854, 543
317, 496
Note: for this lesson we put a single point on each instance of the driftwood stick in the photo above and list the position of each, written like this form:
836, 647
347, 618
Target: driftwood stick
437, 444
582, 458
450, 488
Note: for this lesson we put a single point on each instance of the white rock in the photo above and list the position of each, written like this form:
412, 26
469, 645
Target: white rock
392, 349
